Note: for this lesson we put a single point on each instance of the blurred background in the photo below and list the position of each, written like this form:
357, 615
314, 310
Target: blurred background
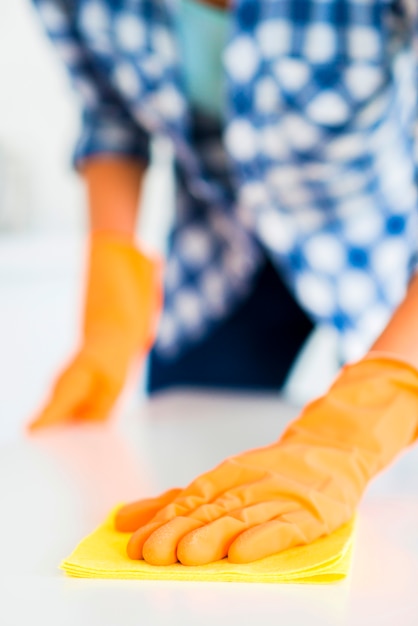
42, 224
41, 214
38, 122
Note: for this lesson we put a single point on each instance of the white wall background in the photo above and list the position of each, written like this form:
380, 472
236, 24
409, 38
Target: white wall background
38, 125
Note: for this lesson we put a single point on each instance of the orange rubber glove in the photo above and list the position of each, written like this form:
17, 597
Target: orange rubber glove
290, 493
123, 302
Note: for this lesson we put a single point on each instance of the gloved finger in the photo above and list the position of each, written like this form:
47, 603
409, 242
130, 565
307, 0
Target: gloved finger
139, 537
287, 531
210, 486
270, 487
161, 546
69, 393
211, 542
170, 537
131, 516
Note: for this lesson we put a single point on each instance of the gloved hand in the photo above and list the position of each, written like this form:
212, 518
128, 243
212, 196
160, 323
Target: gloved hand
292, 492
123, 302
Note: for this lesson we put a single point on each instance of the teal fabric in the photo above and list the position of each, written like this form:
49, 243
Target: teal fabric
202, 33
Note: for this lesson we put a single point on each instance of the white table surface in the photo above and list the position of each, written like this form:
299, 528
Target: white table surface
57, 487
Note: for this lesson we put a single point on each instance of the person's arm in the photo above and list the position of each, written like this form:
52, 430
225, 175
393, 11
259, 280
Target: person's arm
113, 187
122, 303
112, 151
400, 336
123, 283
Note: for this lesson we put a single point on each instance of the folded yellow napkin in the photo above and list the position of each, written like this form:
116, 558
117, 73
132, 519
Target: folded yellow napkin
103, 555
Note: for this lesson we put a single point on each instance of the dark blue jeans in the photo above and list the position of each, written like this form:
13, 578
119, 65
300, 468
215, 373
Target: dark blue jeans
252, 349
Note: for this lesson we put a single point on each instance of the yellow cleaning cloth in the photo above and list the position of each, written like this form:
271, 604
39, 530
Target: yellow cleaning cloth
103, 555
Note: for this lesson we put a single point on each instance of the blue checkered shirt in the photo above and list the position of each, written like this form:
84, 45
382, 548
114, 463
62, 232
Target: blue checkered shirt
313, 164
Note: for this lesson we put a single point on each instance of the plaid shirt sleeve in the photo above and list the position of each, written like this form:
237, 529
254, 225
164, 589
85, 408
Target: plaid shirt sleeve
412, 15
107, 126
